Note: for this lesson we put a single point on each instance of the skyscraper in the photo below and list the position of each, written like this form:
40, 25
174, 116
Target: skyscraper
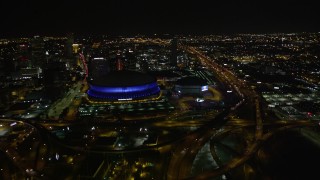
55, 76
23, 56
119, 65
70, 58
68, 46
173, 58
130, 60
38, 54
98, 67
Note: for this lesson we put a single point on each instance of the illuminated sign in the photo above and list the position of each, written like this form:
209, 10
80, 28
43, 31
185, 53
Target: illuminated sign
204, 88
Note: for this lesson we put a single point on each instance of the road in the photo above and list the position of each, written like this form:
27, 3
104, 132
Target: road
184, 154
57, 108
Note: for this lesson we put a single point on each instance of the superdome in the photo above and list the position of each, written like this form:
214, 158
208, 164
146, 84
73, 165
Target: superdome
125, 85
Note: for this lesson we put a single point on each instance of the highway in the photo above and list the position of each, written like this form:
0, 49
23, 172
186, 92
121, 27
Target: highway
22, 145
184, 154
57, 108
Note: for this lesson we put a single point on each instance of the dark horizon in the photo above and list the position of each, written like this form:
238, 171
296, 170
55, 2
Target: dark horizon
158, 17
151, 35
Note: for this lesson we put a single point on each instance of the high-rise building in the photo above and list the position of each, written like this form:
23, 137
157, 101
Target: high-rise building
119, 64
38, 54
55, 76
71, 60
130, 60
124, 60
173, 58
22, 55
98, 67
68, 46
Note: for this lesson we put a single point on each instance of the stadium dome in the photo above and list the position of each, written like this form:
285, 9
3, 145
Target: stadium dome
123, 85
191, 85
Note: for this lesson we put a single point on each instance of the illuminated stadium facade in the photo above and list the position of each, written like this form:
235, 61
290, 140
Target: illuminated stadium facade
191, 85
123, 85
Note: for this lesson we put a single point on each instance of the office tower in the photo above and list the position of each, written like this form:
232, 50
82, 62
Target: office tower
68, 46
38, 55
117, 64
173, 58
55, 77
130, 60
22, 55
98, 67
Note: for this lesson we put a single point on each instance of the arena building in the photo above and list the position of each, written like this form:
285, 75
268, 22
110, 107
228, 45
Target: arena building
191, 85
123, 85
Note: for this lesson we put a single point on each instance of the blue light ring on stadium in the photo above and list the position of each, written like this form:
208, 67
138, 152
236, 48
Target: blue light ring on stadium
152, 90
147, 91
138, 88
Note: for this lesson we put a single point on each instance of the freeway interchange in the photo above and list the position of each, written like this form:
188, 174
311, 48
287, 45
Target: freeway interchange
184, 154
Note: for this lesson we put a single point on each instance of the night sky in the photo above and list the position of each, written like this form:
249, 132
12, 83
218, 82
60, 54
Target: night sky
130, 17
